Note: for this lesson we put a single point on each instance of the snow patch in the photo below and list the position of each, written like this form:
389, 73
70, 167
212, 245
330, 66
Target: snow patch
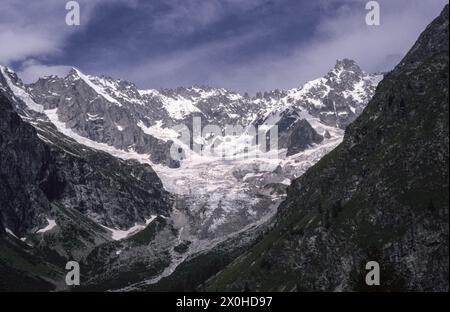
150, 92
100, 90
179, 107
50, 226
121, 234
92, 117
164, 134
11, 232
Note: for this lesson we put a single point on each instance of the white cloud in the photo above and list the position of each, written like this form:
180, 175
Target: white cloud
18, 44
31, 29
24, 31
31, 70
37, 29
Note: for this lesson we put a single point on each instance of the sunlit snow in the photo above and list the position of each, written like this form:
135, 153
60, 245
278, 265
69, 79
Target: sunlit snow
51, 225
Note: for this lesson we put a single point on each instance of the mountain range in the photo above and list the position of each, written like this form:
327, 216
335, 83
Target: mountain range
360, 173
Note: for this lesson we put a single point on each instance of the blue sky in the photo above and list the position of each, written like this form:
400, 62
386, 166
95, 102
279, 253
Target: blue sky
244, 45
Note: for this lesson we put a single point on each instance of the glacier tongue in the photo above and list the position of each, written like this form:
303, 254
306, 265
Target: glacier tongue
222, 196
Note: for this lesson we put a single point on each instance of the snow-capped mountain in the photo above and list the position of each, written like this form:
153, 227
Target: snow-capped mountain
214, 198
335, 99
358, 173
115, 112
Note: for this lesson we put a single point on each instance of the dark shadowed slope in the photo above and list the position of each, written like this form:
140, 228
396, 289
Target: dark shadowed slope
381, 195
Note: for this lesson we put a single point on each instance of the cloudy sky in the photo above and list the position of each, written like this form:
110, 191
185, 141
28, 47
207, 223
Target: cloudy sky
244, 45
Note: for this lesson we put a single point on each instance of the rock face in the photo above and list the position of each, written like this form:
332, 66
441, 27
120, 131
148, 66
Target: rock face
382, 195
301, 137
22, 157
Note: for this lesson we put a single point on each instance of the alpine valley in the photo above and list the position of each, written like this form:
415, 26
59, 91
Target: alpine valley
360, 173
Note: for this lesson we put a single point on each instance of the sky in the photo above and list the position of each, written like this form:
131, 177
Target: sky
242, 45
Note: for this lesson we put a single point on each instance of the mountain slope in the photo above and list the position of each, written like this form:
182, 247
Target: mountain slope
21, 270
382, 195
57, 197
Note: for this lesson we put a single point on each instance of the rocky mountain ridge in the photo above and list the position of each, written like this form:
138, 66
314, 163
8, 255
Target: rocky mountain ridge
115, 112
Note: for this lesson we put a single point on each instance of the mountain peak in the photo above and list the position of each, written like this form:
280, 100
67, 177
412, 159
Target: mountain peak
347, 64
